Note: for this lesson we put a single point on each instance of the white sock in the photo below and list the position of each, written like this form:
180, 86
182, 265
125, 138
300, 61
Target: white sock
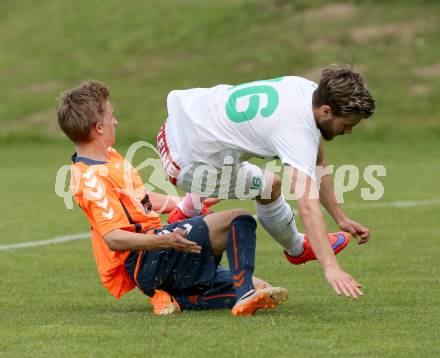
278, 220
191, 205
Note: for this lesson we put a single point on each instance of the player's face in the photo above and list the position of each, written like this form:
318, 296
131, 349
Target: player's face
335, 126
109, 123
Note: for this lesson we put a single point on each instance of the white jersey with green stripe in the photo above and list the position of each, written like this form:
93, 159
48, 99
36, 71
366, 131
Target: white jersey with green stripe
267, 118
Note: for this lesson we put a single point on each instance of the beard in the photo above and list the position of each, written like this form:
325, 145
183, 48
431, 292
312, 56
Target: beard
325, 127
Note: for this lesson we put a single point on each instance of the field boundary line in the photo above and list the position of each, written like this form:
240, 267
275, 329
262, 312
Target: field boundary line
395, 204
86, 235
55, 240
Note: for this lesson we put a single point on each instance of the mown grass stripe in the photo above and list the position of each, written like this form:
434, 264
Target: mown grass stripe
86, 235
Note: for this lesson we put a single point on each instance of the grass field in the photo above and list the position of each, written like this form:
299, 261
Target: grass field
145, 49
53, 304
51, 300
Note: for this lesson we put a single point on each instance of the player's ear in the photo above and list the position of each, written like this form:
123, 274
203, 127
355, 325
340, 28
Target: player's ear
326, 112
98, 127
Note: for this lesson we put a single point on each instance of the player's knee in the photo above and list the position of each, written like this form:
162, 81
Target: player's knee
221, 221
244, 217
234, 214
276, 183
272, 179
239, 212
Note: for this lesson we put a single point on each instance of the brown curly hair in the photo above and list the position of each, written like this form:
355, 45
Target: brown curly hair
345, 92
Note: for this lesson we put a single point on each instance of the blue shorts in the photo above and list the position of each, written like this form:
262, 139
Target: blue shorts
176, 272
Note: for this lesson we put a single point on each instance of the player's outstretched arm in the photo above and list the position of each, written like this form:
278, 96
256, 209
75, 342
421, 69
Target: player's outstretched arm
316, 229
121, 240
328, 200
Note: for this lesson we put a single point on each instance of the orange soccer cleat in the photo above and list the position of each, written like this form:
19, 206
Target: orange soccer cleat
259, 283
163, 303
268, 297
177, 215
338, 241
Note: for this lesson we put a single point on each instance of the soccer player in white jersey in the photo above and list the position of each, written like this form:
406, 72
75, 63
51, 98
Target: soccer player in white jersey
211, 132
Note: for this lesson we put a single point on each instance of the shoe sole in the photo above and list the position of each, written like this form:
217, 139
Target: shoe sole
165, 310
266, 298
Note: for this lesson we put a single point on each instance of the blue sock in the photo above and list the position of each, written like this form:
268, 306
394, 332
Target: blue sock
240, 249
220, 295
224, 299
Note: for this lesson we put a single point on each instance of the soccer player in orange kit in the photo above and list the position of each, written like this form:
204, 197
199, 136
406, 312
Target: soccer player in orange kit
176, 265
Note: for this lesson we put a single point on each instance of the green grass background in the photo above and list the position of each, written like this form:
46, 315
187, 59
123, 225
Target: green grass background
51, 301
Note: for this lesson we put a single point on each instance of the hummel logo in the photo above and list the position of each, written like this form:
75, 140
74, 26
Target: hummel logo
103, 204
97, 194
88, 174
109, 214
92, 183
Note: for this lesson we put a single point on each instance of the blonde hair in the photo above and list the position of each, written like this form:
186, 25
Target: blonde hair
81, 108
345, 91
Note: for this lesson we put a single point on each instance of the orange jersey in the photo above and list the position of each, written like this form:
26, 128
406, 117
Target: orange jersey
110, 194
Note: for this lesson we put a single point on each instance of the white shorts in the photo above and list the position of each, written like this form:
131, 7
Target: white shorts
235, 181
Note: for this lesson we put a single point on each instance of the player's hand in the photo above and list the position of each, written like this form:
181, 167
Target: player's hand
356, 230
177, 240
343, 283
